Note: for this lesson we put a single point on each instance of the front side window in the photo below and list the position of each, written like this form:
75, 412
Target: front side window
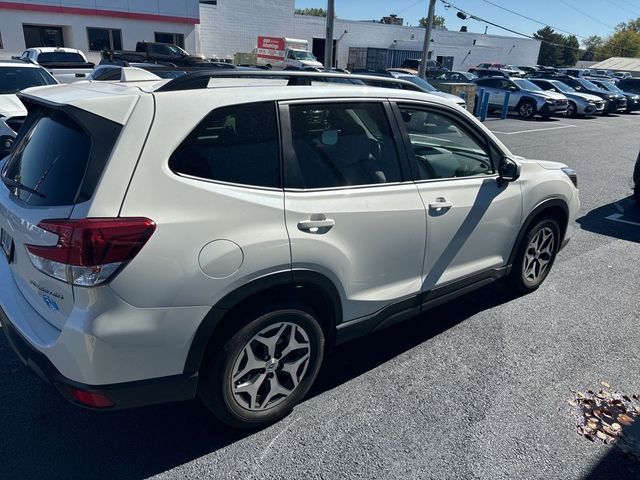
442, 148
104, 39
235, 144
342, 144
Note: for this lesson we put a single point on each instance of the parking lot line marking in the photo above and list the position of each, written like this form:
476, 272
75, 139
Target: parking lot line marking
616, 218
535, 130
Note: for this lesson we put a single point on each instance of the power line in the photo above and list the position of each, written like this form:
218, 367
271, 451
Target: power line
586, 14
531, 19
410, 6
623, 8
630, 4
474, 17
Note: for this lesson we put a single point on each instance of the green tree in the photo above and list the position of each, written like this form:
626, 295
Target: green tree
633, 25
551, 51
438, 22
591, 46
571, 51
623, 43
314, 12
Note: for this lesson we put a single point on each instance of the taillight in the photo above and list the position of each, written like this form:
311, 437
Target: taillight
90, 251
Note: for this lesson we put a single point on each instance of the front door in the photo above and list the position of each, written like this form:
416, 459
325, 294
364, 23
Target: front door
352, 212
472, 219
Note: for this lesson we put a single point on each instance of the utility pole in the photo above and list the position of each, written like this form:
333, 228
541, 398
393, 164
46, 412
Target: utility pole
422, 72
328, 43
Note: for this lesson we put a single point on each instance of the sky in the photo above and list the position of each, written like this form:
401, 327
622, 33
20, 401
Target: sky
580, 17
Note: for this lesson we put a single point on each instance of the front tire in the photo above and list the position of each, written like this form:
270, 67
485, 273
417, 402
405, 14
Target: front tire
572, 110
526, 109
535, 257
264, 369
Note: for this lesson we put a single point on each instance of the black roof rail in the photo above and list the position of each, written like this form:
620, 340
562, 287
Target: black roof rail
200, 79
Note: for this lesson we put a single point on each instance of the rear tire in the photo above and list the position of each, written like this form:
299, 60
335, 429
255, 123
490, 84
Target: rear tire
535, 257
260, 372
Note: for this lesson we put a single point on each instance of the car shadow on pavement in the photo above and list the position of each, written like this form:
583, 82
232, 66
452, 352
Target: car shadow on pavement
621, 462
42, 436
620, 219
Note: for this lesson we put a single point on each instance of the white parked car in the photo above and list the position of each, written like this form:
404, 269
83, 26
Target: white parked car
65, 64
16, 75
152, 252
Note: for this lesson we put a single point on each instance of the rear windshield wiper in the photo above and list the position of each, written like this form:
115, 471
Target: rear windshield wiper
12, 183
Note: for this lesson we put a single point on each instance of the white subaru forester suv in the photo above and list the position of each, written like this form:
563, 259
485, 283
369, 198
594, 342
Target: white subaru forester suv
212, 236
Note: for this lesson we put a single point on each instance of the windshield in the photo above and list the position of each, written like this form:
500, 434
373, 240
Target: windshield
14, 79
421, 82
527, 85
588, 85
611, 87
302, 55
563, 87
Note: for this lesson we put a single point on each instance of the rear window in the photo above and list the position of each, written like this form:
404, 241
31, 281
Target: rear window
49, 163
60, 57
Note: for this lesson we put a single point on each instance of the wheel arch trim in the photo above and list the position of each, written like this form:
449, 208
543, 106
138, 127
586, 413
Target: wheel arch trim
541, 207
291, 278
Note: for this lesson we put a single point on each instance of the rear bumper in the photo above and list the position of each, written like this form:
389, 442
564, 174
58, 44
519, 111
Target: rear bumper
123, 395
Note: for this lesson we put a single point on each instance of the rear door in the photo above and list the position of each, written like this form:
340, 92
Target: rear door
352, 212
472, 220
43, 179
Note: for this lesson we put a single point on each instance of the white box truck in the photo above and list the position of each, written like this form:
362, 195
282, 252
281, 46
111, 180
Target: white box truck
282, 52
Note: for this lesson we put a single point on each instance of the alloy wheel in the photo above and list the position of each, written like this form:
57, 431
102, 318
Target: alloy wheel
270, 366
538, 255
526, 110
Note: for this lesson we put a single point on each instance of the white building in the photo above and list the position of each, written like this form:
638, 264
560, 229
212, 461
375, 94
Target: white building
91, 25
220, 28
229, 26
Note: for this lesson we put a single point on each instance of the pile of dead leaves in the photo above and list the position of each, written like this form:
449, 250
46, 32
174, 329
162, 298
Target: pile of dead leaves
604, 415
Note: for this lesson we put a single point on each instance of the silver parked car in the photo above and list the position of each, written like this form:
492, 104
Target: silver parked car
526, 98
579, 103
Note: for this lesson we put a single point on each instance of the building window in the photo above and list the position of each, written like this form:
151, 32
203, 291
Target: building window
209, 2
104, 39
42, 36
175, 38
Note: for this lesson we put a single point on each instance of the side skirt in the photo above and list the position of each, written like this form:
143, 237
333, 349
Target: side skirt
410, 307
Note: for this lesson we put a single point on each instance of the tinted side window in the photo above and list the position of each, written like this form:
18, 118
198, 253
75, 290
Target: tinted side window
236, 144
442, 148
342, 144
487, 82
49, 163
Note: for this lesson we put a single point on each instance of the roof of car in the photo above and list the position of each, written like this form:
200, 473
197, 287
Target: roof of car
17, 63
54, 49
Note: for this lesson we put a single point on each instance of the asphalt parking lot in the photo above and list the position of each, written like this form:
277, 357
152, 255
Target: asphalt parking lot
477, 389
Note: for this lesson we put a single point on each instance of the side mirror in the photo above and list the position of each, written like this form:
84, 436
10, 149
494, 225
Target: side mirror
508, 170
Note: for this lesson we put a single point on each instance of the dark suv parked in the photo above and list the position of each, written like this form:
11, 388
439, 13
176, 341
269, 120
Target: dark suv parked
615, 101
629, 85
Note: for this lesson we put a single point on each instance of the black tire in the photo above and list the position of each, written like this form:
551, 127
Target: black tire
572, 110
526, 109
215, 381
518, 279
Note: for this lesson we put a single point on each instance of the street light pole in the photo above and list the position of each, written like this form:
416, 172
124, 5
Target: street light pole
328, 43
422, 72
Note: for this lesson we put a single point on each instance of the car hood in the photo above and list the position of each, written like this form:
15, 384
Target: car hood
311, 63
11, 106
549, 95
546, 164
449, 96
585, 96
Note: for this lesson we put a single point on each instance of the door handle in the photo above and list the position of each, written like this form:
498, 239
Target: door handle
316, 224
440, 204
